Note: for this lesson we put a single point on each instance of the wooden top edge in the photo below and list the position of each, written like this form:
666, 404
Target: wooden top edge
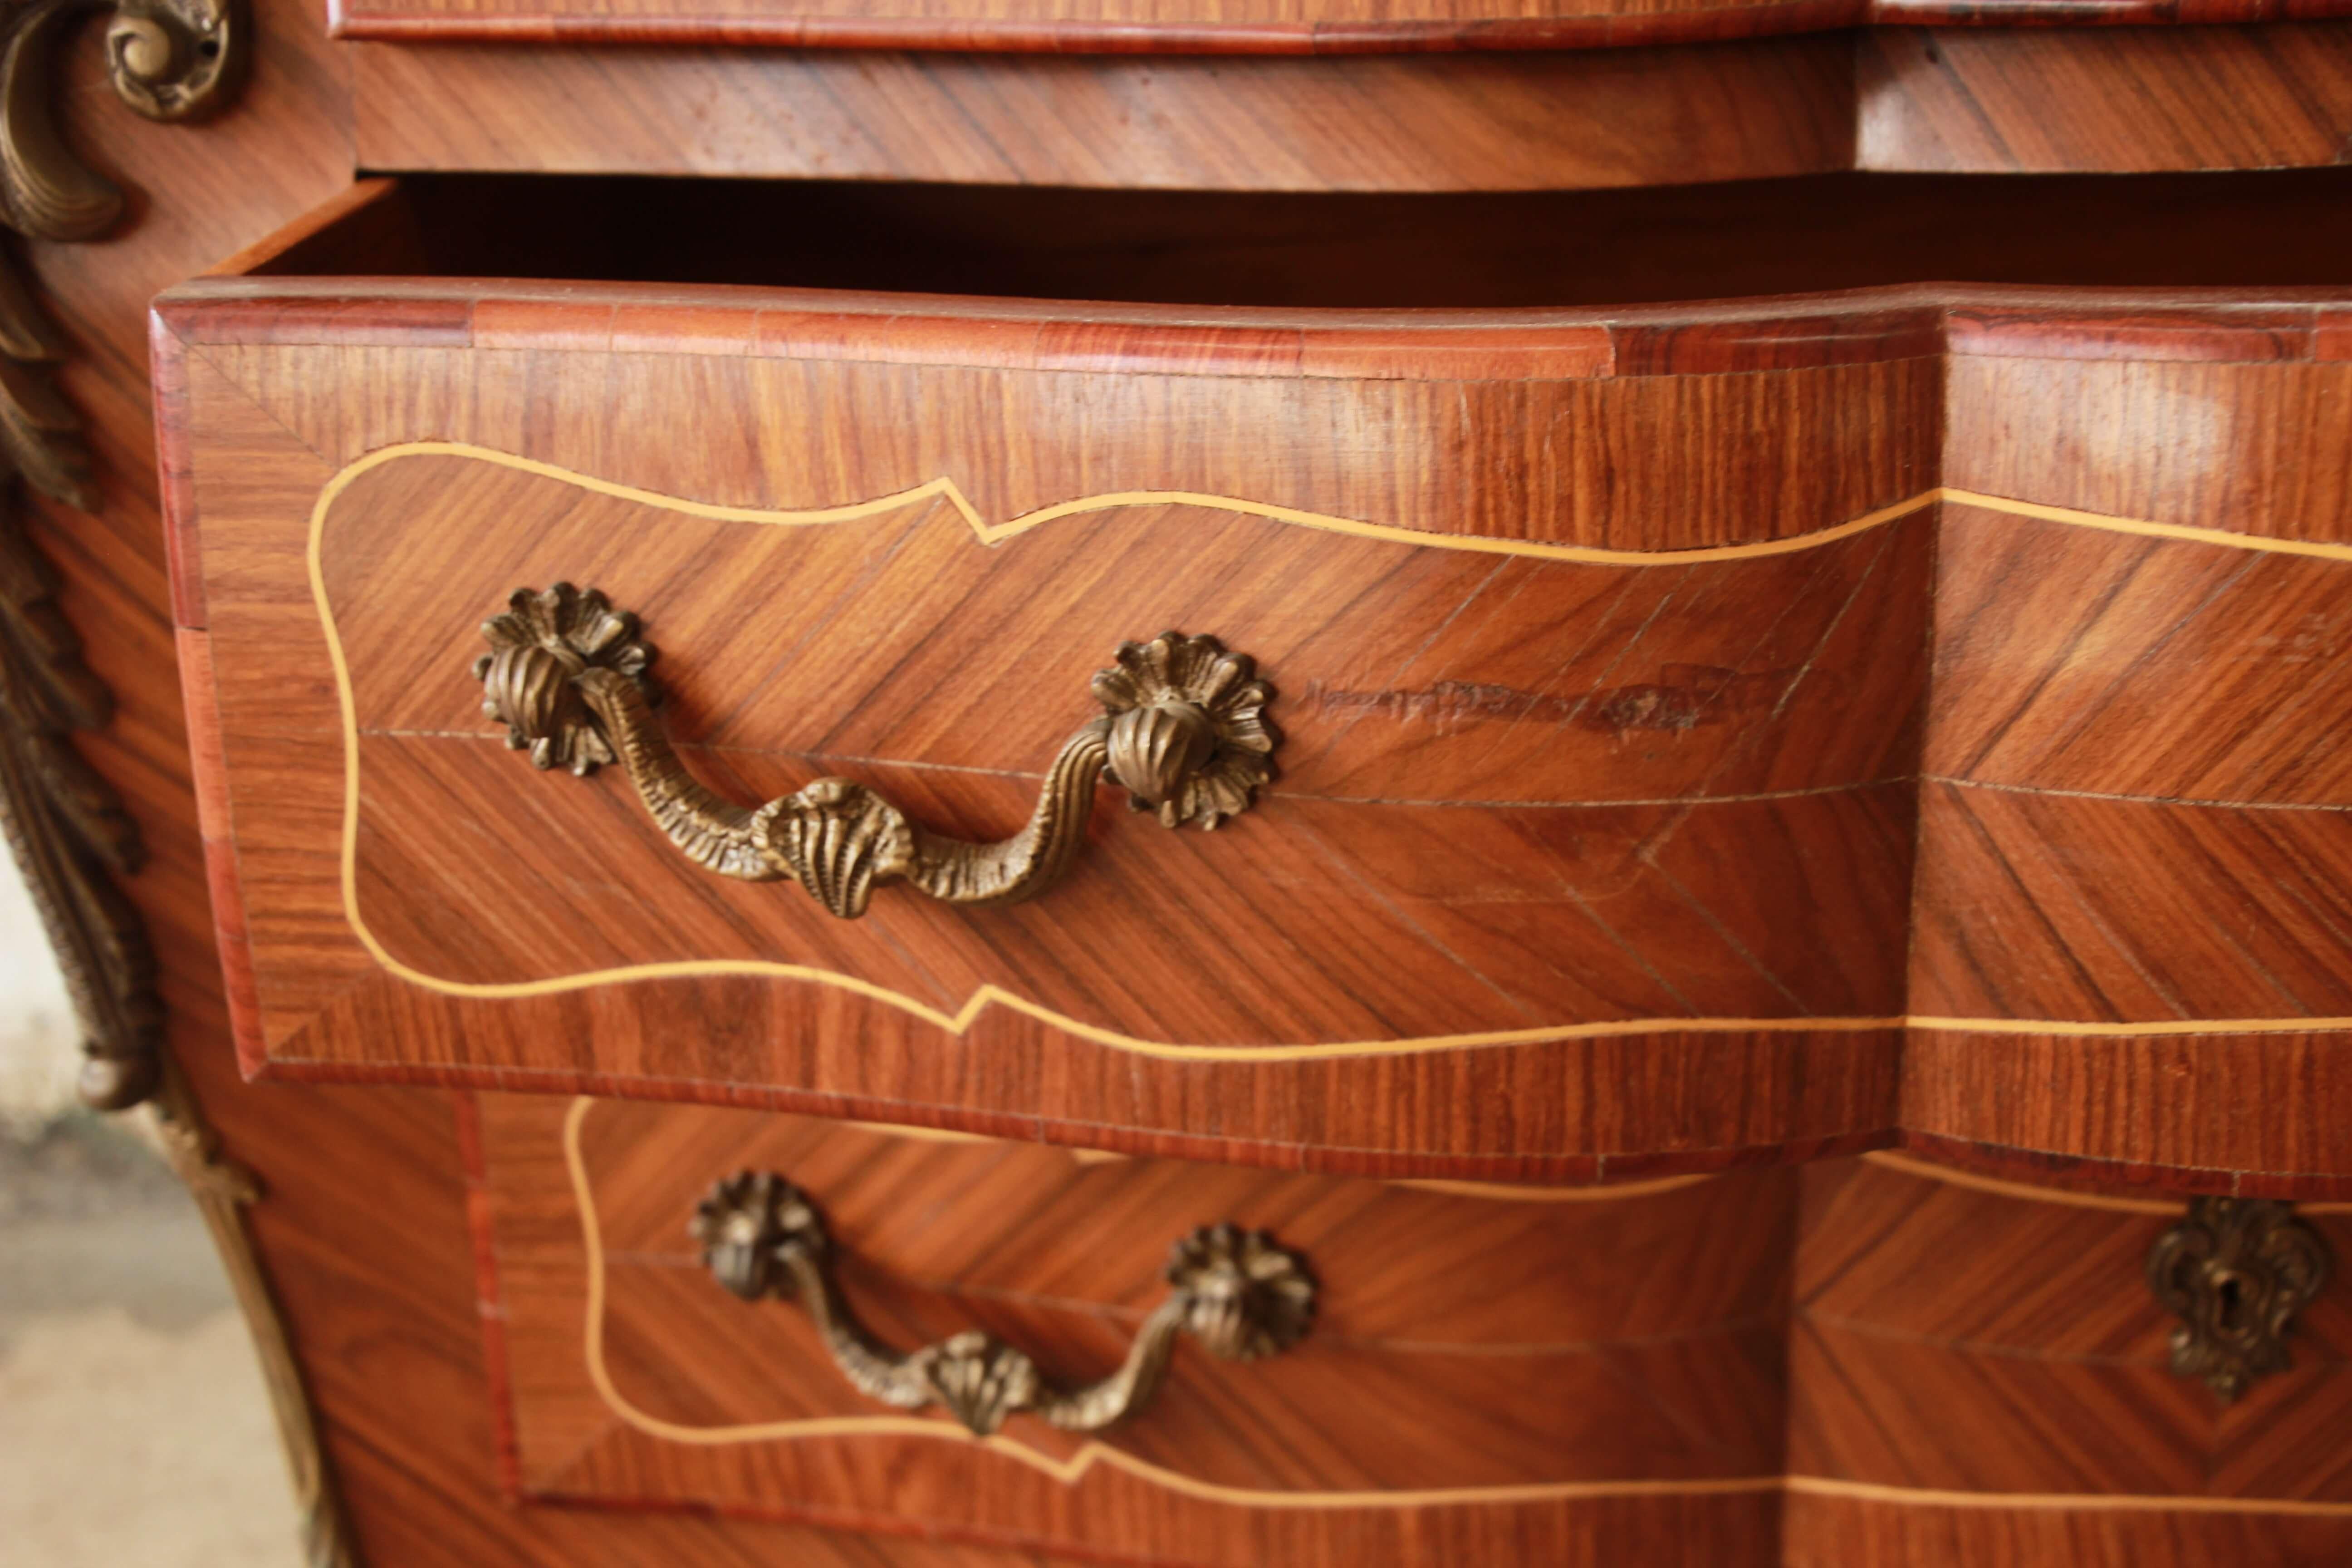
1780, 332
389, 21
357, 197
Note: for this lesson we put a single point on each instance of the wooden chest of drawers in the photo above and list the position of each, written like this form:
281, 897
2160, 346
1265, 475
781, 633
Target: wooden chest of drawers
1771, 981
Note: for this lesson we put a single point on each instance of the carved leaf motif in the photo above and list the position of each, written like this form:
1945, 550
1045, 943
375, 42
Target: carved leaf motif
2236, 1271
1178, 674
1244, 1296
978, 1380
840, 839
539, 649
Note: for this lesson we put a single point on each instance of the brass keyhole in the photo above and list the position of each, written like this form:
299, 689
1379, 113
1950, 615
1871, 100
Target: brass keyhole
2230, 1302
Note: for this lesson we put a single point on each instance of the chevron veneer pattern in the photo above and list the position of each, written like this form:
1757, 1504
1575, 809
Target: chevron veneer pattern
1679, 708
1746, 1370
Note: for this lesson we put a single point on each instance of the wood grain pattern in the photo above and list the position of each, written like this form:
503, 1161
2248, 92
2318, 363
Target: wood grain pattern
385, 1312
1667, 733
2018, 1317
2047, 1348
1917, 100
1612, 117
364, 1226
1663, 1374
2087, 772
2136, 100
1850, 1532
1250, 27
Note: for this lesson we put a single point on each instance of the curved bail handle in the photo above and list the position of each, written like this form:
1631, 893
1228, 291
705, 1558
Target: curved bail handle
1183, 731
1237, 1293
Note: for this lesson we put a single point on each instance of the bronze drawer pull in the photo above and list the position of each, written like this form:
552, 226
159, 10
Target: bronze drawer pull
1235, 1290
1183, 732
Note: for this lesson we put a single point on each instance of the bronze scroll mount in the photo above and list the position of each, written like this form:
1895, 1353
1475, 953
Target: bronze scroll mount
2235, 1271
1234, 1291
1183, 731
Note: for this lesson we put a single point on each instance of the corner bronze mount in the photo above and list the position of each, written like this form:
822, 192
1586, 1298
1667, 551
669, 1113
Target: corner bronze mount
1183, 731
1235, 1292
168, 60
2236, 1271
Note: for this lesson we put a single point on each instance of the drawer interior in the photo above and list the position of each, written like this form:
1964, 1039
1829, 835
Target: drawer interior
2283, 228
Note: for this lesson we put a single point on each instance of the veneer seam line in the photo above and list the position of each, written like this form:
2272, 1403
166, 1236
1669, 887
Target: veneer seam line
1093, 1452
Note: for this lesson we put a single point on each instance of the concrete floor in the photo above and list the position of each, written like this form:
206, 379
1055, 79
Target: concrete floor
133, 1429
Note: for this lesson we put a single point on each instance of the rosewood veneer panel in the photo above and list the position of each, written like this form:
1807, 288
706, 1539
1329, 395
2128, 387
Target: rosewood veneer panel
1588, 855
2011, 1313
1546, 1405
1240, 27
1947, 100
1468, 1318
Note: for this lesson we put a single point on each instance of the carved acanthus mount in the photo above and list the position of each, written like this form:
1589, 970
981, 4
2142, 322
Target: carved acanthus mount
168, 60
1237, 1293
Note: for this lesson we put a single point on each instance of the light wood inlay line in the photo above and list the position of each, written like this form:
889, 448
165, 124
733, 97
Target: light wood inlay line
2069, 1502
1073, 1470
1070, 1470
1495, 1192
987, 995
1928, 1170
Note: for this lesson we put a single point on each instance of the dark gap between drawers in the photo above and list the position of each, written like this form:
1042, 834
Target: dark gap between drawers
1616, 246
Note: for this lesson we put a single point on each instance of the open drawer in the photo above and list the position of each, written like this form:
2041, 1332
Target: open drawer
1639, 737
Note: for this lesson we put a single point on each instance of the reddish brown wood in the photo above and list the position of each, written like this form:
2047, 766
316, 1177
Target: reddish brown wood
1664, 1373
2074, 803
2008, 1315
362, 1228
1261, 26
1839, 1531
2018, 1317
1612, 117
2136, 100
1947, 100
363, 1224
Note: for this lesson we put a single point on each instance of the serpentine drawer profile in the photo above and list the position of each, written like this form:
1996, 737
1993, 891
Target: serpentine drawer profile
1635, 740
1440, 1370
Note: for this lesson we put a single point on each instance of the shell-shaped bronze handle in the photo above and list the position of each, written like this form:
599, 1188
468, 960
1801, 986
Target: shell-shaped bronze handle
1235, 1292
1183, 731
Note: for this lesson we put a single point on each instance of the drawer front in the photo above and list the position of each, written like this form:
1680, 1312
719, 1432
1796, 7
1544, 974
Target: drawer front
1487, 1373
1667, 714
1570, 1375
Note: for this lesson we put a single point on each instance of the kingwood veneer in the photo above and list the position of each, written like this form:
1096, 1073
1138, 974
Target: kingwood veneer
1681, 708
1721, 1370
1941, 100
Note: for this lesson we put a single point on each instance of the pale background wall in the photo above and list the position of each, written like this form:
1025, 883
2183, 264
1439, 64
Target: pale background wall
37, 1037
133, 1429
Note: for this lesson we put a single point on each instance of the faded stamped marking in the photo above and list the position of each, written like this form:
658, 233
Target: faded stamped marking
1684, 697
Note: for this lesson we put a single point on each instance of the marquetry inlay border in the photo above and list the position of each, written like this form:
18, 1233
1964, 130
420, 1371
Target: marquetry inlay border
1093, 1454
961, 1021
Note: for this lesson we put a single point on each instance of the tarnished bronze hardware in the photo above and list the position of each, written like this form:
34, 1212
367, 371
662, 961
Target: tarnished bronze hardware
66, 825
1183, 731
1236, 1291
169, 60
2235, 1271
